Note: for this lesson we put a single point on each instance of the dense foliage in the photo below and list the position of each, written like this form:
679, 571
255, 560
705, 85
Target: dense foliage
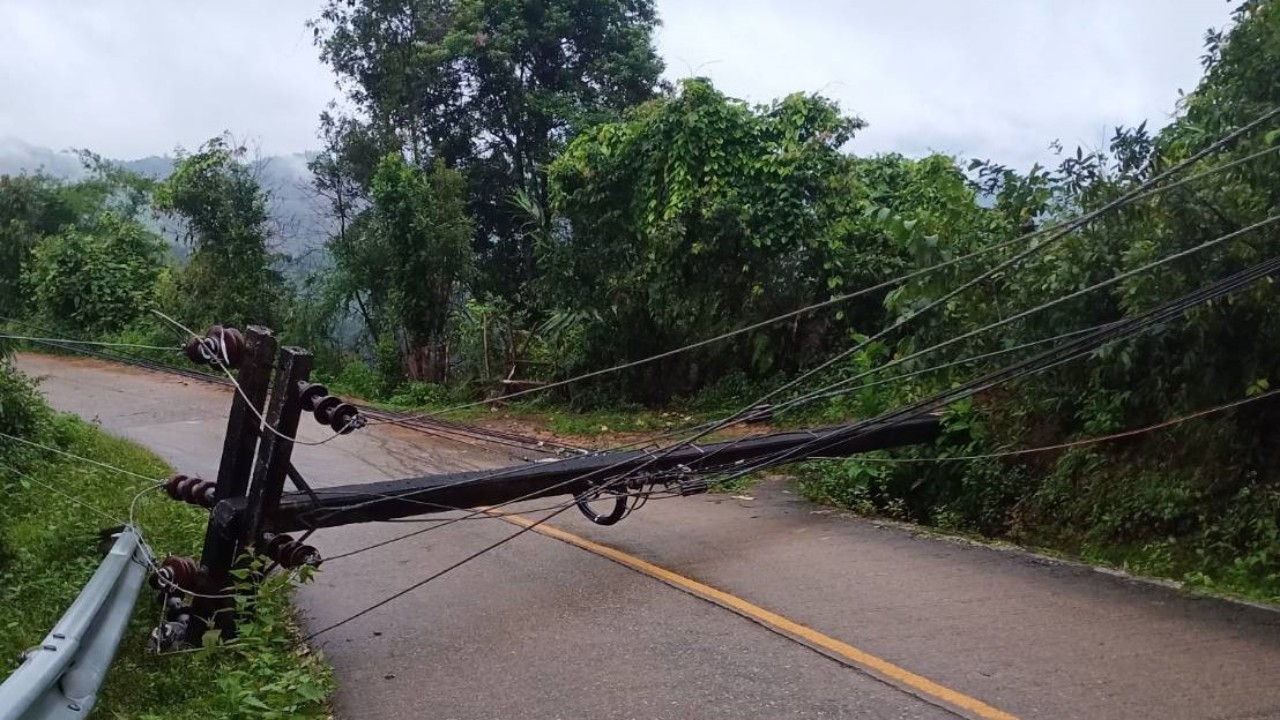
699, 214
402, 264
94, 280
492, 88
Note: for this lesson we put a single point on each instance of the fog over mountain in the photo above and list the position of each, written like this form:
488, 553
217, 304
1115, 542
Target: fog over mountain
300, 227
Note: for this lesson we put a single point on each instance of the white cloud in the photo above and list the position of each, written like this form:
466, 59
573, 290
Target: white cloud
976, 77
137, 77
984, 78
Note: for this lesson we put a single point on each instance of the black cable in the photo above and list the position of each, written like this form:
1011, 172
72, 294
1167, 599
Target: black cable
1039, 308
809, 398
1120, 330
435, 576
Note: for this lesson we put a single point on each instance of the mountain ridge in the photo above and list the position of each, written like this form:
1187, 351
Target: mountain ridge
300, 227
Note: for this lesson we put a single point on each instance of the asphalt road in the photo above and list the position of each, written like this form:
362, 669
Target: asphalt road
709, 607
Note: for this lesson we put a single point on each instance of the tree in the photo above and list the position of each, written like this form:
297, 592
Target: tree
700, 213
229, 277
493, 88
31, 206
405, 259
96, 280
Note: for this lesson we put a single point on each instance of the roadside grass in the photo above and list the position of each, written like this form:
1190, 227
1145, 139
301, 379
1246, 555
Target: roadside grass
1197, 561
539, 415
49, 546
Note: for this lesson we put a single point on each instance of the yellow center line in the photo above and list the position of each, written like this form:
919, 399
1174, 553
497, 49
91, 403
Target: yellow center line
881, 668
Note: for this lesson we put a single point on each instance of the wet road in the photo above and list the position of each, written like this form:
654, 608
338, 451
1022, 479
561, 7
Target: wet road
709, 607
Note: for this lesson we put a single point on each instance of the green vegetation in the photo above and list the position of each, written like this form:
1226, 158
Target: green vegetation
517, 199
49, 546
229, 276
1195, 502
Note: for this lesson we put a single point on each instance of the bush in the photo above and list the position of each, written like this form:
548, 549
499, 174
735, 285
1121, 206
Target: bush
422, 395
22, 414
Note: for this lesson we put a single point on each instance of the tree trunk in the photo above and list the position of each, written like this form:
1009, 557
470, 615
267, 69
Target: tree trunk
428, 362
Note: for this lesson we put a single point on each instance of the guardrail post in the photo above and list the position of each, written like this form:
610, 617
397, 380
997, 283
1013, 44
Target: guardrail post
234, 470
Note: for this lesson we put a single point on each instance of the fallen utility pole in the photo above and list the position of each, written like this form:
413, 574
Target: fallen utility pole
370, 502
250, 512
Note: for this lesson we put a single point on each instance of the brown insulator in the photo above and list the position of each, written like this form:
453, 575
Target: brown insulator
193, 490
177, 573
344, 418
289, 552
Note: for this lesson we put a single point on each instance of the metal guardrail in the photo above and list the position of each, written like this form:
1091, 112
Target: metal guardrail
59, 680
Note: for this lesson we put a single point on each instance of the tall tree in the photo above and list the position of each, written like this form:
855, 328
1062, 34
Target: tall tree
404, 261
229, 276
699, 213
31, 206
493, 88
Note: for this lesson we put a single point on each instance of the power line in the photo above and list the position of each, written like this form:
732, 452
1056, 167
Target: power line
1114, 436
1098, 332
436, 575
1148, 188
69, 341
825, 392
1081, 442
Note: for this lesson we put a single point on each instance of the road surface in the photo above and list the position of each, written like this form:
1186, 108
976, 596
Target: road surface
709, 607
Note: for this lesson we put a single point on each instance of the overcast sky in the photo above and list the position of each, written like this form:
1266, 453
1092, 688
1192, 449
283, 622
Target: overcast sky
979, 78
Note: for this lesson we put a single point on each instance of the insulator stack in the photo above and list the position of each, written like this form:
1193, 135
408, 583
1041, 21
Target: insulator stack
194, 490
289, 552
219, 346
343, 417
182, 574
